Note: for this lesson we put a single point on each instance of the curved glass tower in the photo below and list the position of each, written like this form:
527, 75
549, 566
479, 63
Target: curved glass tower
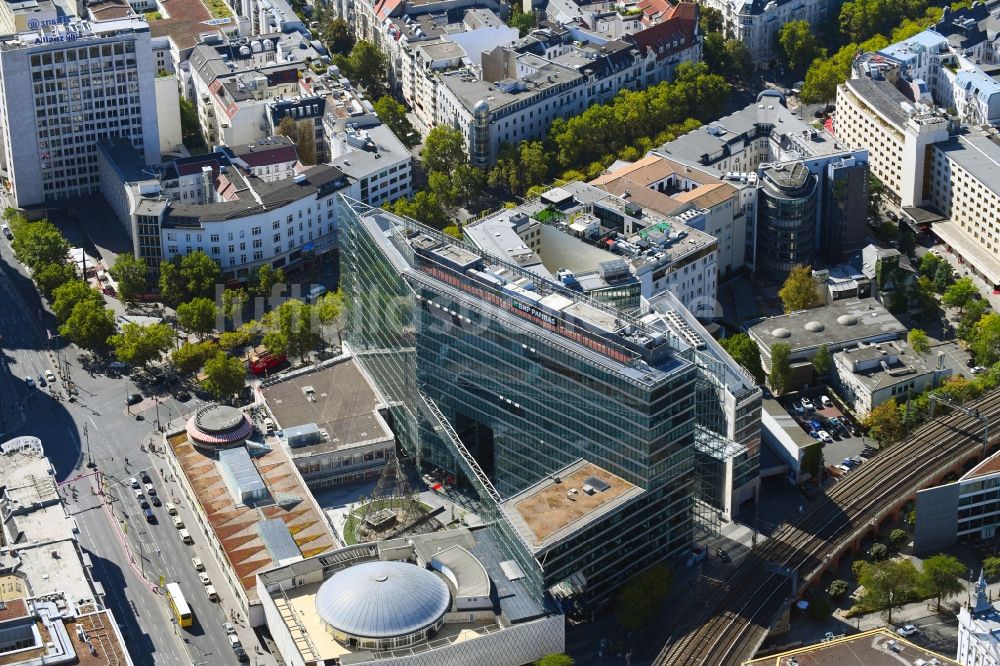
786, 219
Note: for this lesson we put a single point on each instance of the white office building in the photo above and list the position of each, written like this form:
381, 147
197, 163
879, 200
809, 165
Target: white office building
979, 630
64, 88
756, 22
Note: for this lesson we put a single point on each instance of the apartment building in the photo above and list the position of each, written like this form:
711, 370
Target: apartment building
756, 22
64, 88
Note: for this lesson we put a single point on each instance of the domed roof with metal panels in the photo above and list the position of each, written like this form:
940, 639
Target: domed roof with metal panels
385, 599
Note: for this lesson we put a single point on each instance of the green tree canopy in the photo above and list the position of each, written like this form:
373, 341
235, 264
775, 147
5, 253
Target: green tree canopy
224, 375
367, 66
942, 277
233, 302
130, 273
199, 273
138, 345
991, 568
423, 207
338, 35
941, 577
522, 21
264, 278
960, 293
393, 114
822, 362
520, 167
919, 341
290, 329
884, 423
929, 264
799, 290
745, 351
197, 315
66, 296
710, 20
172, 291
231, 340
50, 276
985, 342
781, 368
974, 311
37, 244
640, 599
329, 309
444, 150
889, 584
798, 43
190, 357
89, 326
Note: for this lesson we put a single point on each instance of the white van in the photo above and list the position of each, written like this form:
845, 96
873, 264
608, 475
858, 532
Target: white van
186, 537
178, 523
212, 594
171, 509
315, 292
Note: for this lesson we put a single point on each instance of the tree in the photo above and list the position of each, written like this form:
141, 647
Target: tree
66, 296
338, 36
199, 273
37, 244
233, 302
942, 277
974, 311
50, 276
837, 589
960, 293
393, 115
522, 21
919, 341
454, 231
922, 297
520, 167
907, 243
822, 362
367, 66
640, 599
941, 577
884, 423
264, 278
898, 539
138, 345
879, 552
889, 584
819, 608
423, 207
991, 568
710, 20
329, 309
171, 284
929, 264
555, 659
189, 357
88, 326
444, 150
290, 329
745, 351
458, 187
190, 125
781, 368
130, 273
197, 315
798, 44
738, 60
985, 342
799, 290
305, 141
224, 375
231, 340
812, 459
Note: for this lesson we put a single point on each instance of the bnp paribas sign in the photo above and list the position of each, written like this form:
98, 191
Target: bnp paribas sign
533, 312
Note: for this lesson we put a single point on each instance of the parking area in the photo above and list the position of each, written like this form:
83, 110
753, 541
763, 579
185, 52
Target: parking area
819, 414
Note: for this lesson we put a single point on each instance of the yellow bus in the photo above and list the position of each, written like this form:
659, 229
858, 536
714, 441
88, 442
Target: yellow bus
178, 605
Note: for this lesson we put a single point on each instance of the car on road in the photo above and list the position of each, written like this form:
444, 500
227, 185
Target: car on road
723, 555
134, 482
41, 380
49, 375
825, 437
150, 490
30, 382
155, 500
203, 577
229, 629
186, 537
144, 475
133, 399
198, 565
808, 405
979, 369
178, 523
797, 406
139, 495
238, 650
144, 504
907, 630
212, 594
171, 509
150, 516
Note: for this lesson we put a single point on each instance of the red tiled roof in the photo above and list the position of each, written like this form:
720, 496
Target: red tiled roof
679, 28
13, 609
266, 156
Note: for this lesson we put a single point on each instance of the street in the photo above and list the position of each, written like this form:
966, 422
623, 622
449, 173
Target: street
129, 555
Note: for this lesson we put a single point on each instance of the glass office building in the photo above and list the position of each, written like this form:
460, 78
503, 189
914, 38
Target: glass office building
503, 379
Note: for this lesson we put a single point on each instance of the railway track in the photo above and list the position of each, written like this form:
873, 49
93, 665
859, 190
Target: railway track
737, 616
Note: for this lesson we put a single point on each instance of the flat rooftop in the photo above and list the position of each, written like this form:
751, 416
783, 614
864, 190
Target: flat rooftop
235, 525
870, 648
840, 323
187, 22
342, 403
54, 567
785, 421
549, 510
902, 364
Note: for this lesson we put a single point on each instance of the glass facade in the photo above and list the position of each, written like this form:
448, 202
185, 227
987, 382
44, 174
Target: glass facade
495, 388
786, 220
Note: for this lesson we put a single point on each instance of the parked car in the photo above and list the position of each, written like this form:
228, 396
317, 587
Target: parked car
41, 380
848, 463
144, 475
171, 509
150, 516
203, 577
808, 405
907, 630
183, 396
979, 369
825, 437
143, 504
797, 406
7, 232
825, 401
155, 500
134, 482
238, 650
971, 363
229, 629
186, 537
198, 566
133, 399
49, 375
30, 382
722, 554
150, 489
178, 523
844, 468
212, 594
138, 494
